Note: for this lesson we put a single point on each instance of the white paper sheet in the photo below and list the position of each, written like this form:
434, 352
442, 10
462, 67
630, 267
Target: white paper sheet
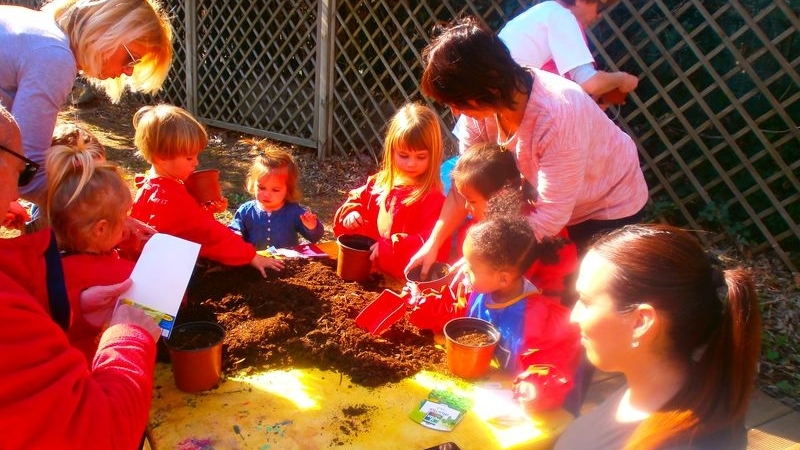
160, 278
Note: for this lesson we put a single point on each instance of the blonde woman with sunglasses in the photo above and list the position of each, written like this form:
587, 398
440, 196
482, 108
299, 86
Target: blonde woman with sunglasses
113, 43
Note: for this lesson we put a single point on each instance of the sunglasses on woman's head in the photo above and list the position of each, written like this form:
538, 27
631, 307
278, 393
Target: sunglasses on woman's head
28, 172
133, 61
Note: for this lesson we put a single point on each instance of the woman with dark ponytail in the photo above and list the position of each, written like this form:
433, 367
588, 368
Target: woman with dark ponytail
684, 333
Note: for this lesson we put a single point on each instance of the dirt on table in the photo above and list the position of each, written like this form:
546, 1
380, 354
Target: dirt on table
325, 183
304, 316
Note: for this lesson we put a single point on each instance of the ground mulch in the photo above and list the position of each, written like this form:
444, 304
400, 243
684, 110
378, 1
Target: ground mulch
304, 316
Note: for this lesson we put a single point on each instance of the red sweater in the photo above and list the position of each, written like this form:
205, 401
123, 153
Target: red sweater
166, 205
399, 229
81, 272
49, 398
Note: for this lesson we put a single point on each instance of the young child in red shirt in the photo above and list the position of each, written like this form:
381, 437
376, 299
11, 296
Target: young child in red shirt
538, 344
170, 139
481, 172
399, 205
87, 206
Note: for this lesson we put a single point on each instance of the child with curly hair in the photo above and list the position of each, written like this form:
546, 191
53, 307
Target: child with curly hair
170, 139
537, 342
274, 218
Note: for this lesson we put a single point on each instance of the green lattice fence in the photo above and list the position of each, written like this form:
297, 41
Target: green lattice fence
715, 114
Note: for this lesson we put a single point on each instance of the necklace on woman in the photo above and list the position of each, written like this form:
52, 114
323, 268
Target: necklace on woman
503, 140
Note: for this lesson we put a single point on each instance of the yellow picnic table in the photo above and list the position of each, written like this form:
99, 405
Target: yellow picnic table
315, 409
312, 409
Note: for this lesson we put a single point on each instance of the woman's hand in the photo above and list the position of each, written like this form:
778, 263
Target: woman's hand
309, 219
127, 314
425, 257
98, 302
262, 263
353, 220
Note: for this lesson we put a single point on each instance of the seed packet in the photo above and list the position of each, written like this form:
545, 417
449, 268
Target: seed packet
442, 410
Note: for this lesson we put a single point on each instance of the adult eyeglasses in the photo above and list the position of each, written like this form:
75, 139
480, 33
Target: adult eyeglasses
28, 172
134, 61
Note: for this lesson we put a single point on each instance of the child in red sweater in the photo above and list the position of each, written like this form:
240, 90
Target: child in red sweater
170, 139
87, 206
399, 205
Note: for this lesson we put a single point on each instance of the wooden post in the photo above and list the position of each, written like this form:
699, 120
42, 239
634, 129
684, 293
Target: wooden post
326, 42
190, 41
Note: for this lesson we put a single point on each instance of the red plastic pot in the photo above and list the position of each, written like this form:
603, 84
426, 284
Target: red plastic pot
439, 275
204, 186
352, 262
195, 349
466, 360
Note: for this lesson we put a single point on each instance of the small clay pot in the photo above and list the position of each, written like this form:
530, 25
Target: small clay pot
352, 262
204, 186
195, 349
470, 344
439, 275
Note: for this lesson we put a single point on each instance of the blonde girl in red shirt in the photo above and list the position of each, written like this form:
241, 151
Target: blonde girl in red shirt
399, 205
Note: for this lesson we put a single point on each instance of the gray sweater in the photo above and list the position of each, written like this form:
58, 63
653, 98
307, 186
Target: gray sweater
37, 70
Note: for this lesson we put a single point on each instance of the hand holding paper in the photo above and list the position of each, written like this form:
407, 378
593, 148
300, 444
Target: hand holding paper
128, 314
160, 278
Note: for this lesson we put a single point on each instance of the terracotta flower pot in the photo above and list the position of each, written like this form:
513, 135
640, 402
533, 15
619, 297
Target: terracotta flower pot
204, 186
352, 262
470, 344
195, 349
439, 275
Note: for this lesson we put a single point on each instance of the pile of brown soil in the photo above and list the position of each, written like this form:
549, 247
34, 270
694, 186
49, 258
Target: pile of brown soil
304, 316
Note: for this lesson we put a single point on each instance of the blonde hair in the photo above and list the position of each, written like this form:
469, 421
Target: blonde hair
271, 160
74, 135
414, 127
97, 28
167, 131
80, 192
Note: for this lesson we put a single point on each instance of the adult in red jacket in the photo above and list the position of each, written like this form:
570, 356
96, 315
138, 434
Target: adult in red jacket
49, 398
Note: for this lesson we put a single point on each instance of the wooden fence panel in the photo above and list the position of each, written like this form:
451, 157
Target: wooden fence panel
715, 115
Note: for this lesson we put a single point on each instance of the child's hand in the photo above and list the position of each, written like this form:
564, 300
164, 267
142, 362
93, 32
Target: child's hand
216, 206
16, 217
373, 252
309, 219
261, 263
524, 391
353, 220
135, 234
